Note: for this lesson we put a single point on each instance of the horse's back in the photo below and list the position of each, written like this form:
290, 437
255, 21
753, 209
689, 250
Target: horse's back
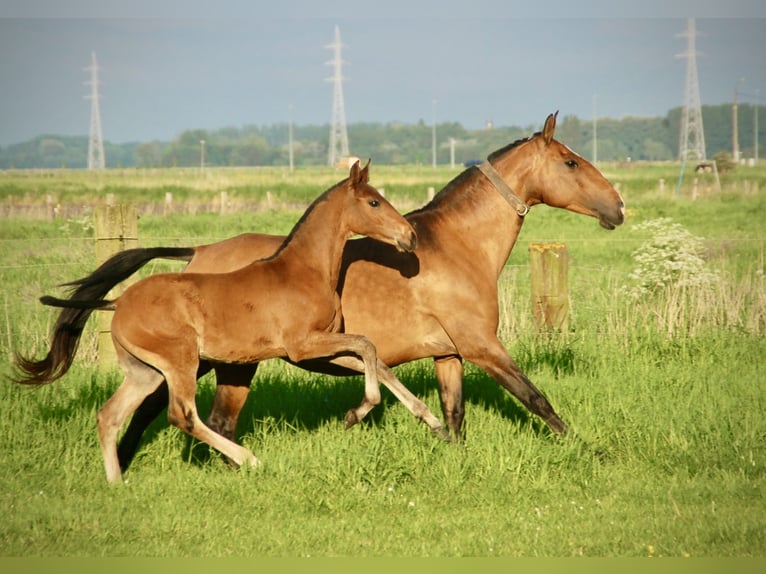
234, 253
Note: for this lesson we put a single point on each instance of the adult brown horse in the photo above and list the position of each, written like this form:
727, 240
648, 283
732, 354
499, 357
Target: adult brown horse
439, 302
283, 306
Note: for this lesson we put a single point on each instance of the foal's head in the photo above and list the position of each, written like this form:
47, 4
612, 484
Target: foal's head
565, 179
367, 212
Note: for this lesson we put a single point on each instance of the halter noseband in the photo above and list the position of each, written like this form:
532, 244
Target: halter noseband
505, 190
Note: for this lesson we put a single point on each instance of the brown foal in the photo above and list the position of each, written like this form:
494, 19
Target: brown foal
284, 306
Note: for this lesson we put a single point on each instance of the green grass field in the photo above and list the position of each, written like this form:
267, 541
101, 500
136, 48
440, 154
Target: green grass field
665, 395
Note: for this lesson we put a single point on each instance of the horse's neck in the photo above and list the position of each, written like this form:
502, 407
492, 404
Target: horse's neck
318, 242
478, 214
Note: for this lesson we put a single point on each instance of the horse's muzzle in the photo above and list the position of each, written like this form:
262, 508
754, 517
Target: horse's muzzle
612, 220
407, 244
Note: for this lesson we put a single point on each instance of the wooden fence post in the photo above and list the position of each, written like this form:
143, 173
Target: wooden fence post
550, 286
224, 203
116, 229
168, 206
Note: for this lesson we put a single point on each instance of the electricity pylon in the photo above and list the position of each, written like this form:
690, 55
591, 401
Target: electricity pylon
96, 158
692, 136
338, 133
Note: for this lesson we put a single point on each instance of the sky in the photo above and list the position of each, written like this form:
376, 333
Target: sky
168, 66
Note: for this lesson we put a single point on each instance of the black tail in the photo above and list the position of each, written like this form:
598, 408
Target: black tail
88, 294
80, 304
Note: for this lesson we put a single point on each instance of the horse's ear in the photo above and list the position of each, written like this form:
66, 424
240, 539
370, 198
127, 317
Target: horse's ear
550, 127
354, 173
365, 173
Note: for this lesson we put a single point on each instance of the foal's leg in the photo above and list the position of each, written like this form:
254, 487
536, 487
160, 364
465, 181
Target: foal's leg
413, 404
449, 374
320, 344
144, 415
147, 411
140, 380
182, 411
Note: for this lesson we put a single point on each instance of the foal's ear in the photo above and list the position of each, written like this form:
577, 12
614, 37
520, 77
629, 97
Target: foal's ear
354, 173
365, 173
550, 127
359, 175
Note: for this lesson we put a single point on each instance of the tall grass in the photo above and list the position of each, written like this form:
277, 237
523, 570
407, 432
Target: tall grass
663, 393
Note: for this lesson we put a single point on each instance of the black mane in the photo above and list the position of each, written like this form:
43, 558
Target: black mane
510, 146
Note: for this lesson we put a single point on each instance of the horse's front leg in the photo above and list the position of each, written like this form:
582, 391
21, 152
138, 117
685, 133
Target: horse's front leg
413, 404
449, 374
494, 359
322, 345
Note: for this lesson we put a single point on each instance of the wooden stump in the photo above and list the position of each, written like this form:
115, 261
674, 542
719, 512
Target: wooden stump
550, 286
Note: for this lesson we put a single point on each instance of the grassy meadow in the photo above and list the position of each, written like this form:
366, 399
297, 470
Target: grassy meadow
664, 391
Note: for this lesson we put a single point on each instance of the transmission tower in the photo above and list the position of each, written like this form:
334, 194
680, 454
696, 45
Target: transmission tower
692, 140
96, 158
338, 133
692, 136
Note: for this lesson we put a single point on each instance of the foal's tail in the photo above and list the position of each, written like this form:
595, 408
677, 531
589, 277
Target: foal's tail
87, 295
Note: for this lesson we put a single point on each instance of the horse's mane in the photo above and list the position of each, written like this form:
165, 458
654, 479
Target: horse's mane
305, 216
459, 181
510, 146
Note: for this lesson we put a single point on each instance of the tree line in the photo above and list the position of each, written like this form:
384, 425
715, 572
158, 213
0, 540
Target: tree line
625, 139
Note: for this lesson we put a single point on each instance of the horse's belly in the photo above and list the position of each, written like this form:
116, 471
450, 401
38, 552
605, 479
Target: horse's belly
237, 353
400, 333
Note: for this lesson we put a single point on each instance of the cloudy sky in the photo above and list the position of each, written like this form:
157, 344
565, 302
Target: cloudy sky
175, 65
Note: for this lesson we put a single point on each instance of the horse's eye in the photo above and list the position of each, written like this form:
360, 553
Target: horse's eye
571, 163
374, 203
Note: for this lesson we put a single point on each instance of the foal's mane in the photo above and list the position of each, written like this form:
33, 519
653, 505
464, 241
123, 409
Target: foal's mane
322, 198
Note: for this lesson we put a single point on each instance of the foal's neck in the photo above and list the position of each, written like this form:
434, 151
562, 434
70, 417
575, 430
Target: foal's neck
317, 240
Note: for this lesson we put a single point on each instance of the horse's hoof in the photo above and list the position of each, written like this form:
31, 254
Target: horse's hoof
442, 433
350, 420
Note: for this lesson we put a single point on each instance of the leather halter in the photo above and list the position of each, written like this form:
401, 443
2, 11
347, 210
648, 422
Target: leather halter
505, 190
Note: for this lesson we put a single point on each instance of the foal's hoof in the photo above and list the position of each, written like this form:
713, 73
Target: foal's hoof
350, 420
442, 433
250, 463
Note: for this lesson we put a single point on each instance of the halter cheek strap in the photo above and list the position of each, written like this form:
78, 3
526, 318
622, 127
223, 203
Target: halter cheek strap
505, 190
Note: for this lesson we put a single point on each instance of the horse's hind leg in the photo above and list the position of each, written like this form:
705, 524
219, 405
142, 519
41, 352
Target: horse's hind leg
148, 410
140, 380
182, 413
449, 373
144, 415
232, 388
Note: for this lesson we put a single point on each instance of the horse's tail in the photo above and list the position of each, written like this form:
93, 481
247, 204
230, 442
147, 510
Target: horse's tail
87, 295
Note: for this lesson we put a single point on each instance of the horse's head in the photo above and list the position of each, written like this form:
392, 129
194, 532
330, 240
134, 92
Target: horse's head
369, 213
562, 178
